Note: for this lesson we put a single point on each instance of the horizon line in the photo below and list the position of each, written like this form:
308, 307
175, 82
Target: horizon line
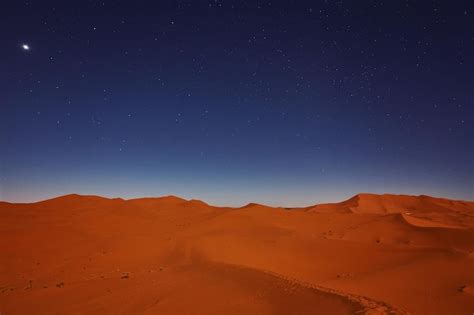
227, 206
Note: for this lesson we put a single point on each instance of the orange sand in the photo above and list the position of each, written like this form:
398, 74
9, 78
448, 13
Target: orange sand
378, 254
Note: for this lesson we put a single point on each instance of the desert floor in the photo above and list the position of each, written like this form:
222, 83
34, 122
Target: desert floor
378, 254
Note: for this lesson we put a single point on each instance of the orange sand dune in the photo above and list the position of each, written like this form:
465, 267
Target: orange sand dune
373, 254
444, 212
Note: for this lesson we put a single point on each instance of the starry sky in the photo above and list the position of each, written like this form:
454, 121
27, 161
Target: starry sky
278, 102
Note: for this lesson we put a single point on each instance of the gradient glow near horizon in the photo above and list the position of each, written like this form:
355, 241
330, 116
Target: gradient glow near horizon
283, 103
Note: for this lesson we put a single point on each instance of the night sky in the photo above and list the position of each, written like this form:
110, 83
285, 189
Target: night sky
283, 103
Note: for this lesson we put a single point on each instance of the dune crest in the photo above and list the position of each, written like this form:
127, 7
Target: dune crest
440, 211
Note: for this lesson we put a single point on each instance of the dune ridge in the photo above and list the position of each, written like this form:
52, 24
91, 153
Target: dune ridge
453, 213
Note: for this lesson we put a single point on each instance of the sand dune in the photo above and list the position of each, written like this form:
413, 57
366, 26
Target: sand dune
373, 254
444, 212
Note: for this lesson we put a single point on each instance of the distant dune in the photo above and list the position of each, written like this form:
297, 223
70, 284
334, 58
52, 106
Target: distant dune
372, 254
445, 212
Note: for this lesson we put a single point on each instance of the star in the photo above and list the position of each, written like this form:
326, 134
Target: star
25, 47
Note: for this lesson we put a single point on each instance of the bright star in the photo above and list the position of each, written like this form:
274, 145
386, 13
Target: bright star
25, 47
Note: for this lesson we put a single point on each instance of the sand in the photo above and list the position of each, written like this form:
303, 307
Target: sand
373, 254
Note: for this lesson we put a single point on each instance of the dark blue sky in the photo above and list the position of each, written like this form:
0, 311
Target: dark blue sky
279, 102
